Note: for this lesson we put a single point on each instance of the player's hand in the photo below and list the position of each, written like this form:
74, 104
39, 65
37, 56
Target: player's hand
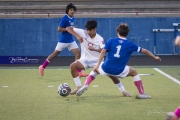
91, 48
157, 58
95, 69
80, 39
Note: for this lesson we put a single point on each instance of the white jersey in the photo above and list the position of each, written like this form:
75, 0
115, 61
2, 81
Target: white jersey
97, 42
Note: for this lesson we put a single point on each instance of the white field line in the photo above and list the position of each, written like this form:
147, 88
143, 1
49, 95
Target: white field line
168, 76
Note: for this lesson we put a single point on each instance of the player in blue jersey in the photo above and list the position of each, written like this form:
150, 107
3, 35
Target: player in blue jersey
65, 39
91, 45
119, 51
177, 40
176, 114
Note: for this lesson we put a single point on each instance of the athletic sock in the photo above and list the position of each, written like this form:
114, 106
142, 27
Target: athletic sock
138, 84
177, 112
78, 70
120, 86
77, 81
90, 78
46, 63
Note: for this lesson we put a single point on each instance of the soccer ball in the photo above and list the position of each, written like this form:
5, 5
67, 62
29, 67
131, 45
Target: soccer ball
64, 89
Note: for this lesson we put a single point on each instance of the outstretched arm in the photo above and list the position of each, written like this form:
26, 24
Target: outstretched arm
148, 53
70, 30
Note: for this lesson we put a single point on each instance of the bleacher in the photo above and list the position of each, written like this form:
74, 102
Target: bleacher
89, 8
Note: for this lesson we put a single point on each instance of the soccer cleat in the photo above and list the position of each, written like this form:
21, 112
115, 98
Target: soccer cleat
75, 90
126, 94
143, 96
81, 90
169, 115
82, 74
41, 70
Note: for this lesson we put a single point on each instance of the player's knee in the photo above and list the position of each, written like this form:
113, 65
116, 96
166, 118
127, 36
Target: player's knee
73, 66
133, 72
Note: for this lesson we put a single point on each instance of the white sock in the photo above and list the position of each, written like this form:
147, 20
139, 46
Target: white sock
120, 86
77, 81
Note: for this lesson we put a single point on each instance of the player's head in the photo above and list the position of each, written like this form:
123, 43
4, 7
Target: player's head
70, 9
91, 26
123, 29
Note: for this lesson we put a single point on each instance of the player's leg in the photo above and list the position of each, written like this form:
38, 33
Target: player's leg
173, 115
138, 83
177, 113
77, 65
89, 79
177, 40
74, 48
120, 86
58, 49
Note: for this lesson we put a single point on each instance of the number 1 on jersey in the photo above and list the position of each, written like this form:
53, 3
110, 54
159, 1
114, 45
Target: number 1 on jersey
118, 51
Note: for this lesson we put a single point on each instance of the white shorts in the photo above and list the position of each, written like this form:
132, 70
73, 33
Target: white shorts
61, 46
121, 75
88, 63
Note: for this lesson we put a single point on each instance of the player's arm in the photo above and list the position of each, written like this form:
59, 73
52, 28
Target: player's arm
101, 44
101, 57
93, 49
177, 40
61, 29
70, 30
148, 53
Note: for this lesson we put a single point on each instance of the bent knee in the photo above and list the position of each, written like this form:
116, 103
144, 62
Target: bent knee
132, 72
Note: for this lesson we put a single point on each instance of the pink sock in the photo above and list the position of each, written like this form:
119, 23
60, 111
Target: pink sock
89, 79
78, 70
139, 86
45, 64
177, 112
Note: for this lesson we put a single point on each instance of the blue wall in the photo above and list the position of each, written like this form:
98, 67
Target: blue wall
38, 37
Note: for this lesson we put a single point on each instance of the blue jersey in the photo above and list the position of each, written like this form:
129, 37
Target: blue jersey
179, 34
119, 52
66, 21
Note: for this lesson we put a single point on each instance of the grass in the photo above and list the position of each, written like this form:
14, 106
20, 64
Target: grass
28, 96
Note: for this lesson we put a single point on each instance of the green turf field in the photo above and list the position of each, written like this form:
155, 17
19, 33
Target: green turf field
24, 95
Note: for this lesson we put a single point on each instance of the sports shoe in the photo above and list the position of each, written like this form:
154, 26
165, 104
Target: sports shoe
41, 70
126, 94
82, 74
81, 90
143, 96
169, 115
75, 90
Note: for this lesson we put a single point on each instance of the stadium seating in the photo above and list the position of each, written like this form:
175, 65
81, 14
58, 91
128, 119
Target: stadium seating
104, 8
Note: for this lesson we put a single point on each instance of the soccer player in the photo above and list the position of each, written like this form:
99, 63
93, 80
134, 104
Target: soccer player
119, 52
65, 39
173, 115
177, 40
91, 46
176, 114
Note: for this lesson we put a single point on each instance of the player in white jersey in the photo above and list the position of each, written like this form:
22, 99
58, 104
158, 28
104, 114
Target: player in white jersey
115, 65
91, 46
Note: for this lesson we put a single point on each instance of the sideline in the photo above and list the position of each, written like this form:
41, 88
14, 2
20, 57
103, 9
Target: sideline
168, 76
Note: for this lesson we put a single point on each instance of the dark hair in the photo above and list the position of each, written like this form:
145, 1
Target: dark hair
123, 29
91, 24
69, 6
